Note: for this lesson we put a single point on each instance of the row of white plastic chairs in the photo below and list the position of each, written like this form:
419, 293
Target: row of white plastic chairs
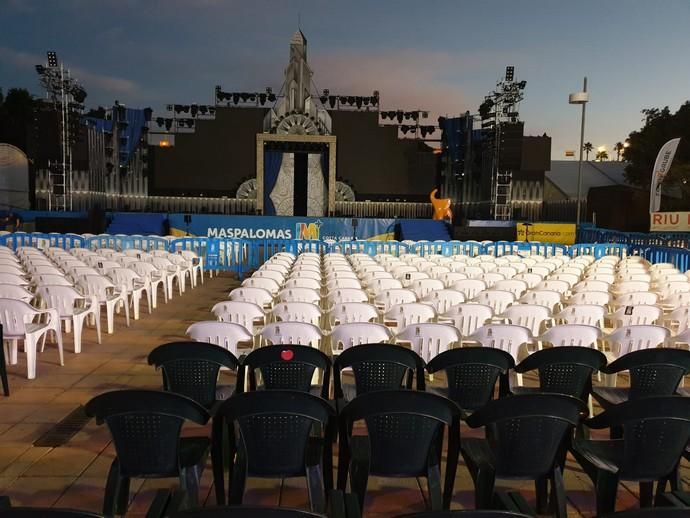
71, 288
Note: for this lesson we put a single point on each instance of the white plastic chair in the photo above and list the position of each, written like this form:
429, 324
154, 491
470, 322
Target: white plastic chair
258, 296
498, 300
349, 312
262, 282
299, 333
470, 287
678, 320
423, 287
410, 278
586, 314
627, 339
409, 313
340, 283
561, 287
533, 317
11, 278
634, 298
267, 273
597, 298
224, 334
107, 295
510, 338
429, 339
515, 286
451, 278
171, 272
135, 286
342, 295
590, 285
389, 298
531, 279
247, 314
636, 315
350, 334
301, 282
17, 319
297, 312
155, 278
548, 298
443, 300
573, 335
299, 295
467, 317
12, 291
72, 308
382, 284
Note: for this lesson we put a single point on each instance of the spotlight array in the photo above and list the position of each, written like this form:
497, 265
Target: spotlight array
236, 98
357, 102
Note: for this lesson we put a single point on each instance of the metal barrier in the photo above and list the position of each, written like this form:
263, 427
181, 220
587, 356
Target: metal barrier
42, 240
589, 234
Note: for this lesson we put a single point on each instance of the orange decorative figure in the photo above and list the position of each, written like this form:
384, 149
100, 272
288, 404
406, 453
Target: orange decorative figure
441, 207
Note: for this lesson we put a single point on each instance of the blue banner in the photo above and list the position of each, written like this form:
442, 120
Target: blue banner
281, 227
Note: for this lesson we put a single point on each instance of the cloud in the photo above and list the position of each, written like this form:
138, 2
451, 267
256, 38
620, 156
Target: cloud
90, 80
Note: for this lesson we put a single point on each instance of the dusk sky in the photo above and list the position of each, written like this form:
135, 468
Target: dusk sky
443, 56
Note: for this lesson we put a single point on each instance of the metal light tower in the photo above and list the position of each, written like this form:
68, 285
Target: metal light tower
580, 98
66, 95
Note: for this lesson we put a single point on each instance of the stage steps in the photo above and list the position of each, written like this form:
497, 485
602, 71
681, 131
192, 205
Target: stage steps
144, 224
423, 229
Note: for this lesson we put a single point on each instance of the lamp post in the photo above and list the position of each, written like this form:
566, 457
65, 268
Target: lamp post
580, 98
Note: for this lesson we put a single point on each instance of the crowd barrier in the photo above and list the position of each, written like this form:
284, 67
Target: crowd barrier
588, 234
245, 255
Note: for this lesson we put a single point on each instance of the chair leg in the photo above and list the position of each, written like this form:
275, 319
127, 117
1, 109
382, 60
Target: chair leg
434, 488
343, 460
485, 479
541, 486
78, 325
189, 479
359, 479
646, 494
315, 488
112, 490
606, 488
558, 500
30, 349
217, 459
3, 371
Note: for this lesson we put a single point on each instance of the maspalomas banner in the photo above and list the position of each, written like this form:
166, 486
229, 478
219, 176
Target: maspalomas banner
562, 233
661, 167
280, 227
670, 221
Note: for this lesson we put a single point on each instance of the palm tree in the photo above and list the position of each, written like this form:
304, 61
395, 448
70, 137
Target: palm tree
602, 156
588, 148
618, 148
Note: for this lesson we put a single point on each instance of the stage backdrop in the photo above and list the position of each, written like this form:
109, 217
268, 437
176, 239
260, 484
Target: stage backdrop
281, 227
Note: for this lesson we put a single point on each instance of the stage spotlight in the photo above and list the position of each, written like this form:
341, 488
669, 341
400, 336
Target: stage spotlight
194, 110
414, 115
235, 98
343, 100
211, 110
203, 109
408, 115
384, 115
52, 59
178, 108
510, 74
190, 123
185, 108
271, 97
425, 115
400, 116
358, 102
323, 99
109, 167
331, 101
40, 69
366, 100
252, 98
147, 114
405, 128
168, 124
350, 100
244, 96
160, 121
262, 99
522, 85
79, 94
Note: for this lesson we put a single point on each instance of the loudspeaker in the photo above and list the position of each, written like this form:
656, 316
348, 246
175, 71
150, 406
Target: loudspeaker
510, 149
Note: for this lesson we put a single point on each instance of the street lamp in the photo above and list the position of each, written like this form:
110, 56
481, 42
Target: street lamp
580, 98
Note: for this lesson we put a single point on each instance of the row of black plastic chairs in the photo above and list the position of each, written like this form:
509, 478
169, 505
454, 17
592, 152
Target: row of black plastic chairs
274, 430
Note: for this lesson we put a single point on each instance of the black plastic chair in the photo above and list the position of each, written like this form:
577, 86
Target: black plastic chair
191, 369
653, 372
655, 433
562, 370
287, 367
376, 367
528, 437
404, 439
145, 426
665, 512
272, 435
465, 514
37, 512
243, 511
3, 367
471, 374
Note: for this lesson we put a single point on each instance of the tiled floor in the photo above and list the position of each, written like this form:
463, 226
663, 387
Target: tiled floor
74, 475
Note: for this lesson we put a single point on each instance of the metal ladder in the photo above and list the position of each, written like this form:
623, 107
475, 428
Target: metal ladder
58, 187
503, 209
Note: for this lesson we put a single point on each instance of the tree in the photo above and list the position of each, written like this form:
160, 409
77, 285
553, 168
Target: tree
16, 113
588, 148
660, 125
602, 156
618, 148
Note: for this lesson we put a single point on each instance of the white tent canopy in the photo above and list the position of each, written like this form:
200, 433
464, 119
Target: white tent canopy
14, 178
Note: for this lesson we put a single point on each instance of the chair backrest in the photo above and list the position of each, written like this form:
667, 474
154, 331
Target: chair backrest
301, 282
224, 334
443, 300
531, 316
11, 278
590, 285
277, 276
404, 428
468, 317
506, 337
587, 314
299, 295
287, 367
341, 295
265, 283
542, 297
14, 315
273, 429
62, 298
378, 367
410, 313
423, 287
628, 286
389, 298
561, 287
12, 291
352, 312
656, 431
498, 300
258, 296
96, 285
429, 339
348, 335
572, 335
145, 426
379, 285
528, 431
297, 312
636, 315
653, 372
598, 298
680, 317
471, 373
297, 333
531, 279
627, 339
564, 370
470, 287
515, 286
238, 312
191, 368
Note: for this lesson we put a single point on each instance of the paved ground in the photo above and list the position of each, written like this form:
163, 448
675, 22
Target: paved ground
74, 475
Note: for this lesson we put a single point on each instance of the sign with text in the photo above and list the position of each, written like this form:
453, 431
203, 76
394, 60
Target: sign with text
670, 221
561, 233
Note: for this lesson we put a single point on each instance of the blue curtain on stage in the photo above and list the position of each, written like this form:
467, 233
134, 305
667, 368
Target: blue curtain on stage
272, 162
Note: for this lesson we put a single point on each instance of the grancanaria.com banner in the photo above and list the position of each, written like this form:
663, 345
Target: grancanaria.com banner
562, 233
279, 227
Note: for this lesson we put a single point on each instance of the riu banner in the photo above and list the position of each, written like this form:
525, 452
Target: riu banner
280, 227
